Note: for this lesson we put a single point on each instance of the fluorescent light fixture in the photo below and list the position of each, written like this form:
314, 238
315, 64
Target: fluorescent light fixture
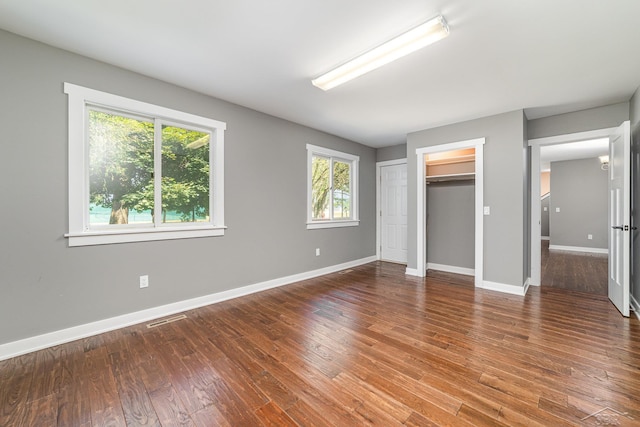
417, 38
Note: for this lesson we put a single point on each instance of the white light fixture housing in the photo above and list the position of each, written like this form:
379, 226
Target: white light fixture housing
406, 43
604, 162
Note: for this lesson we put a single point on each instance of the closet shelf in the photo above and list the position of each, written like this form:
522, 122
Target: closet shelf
452, 160
451, 177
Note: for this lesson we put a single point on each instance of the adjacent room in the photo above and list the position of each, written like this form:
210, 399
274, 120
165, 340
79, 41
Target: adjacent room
574, 224
319, 213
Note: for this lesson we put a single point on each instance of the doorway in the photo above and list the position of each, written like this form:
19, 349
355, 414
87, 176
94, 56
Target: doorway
574, 213
536, 206
618, 208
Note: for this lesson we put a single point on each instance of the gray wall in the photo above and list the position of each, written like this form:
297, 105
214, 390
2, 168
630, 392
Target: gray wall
544, 217
47, 286
579, 121
393, 152
503, 189
635, 193
580, 189
451, 223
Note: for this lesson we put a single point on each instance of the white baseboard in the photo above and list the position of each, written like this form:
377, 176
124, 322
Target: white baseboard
451, 269
635, 306
27, 345
503, 287
412, 272
579, 249
485, 284
545, 238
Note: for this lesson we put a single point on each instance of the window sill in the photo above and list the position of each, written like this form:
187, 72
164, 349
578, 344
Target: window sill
332, 224
107, 237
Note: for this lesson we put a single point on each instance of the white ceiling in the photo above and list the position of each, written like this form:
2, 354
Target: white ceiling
545, 56
572, 151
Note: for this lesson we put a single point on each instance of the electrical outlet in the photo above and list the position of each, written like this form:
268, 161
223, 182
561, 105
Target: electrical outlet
545, 208
486, 210
144, 281
557, 209
590, 236
317, 251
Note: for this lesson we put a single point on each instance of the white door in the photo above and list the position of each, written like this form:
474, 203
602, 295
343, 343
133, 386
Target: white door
393, 212
619, 217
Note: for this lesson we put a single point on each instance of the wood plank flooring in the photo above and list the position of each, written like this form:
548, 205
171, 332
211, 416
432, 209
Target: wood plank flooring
369, 346
578, 271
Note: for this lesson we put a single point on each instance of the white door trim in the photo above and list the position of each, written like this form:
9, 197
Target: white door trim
421, 218
379, 166
536, 144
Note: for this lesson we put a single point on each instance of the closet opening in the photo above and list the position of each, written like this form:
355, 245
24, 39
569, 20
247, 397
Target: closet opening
450, 209
449, 200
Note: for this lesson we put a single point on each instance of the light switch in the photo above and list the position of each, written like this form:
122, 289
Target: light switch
487, 210
557, 209
545, 208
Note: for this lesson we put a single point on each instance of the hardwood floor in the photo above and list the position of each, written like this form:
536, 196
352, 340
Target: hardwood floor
369, 346
578, 271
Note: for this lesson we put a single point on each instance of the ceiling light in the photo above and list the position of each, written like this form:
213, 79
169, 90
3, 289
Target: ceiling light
419, 37
604, 162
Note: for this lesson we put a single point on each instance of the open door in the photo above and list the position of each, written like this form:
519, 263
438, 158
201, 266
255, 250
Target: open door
620, 217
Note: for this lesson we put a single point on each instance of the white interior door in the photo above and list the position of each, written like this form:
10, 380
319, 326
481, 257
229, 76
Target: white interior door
619, 217
393, 206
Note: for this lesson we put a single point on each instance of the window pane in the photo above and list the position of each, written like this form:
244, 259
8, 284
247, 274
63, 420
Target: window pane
120, 169
185, 175
341, 190
320, 188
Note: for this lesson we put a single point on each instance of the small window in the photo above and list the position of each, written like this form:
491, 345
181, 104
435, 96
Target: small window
332, 188
140, 172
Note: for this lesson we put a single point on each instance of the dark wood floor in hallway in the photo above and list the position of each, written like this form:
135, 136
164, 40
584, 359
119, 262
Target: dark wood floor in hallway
369, 346
577, 271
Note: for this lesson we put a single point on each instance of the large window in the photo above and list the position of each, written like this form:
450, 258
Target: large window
141, 172
332, 199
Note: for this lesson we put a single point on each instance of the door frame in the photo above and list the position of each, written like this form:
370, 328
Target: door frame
421, 218
379, 166
536, 144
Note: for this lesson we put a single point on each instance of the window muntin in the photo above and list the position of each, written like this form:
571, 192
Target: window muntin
141, 172
332, 189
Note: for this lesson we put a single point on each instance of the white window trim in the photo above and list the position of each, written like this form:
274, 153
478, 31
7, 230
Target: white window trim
336, 155
79, 232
